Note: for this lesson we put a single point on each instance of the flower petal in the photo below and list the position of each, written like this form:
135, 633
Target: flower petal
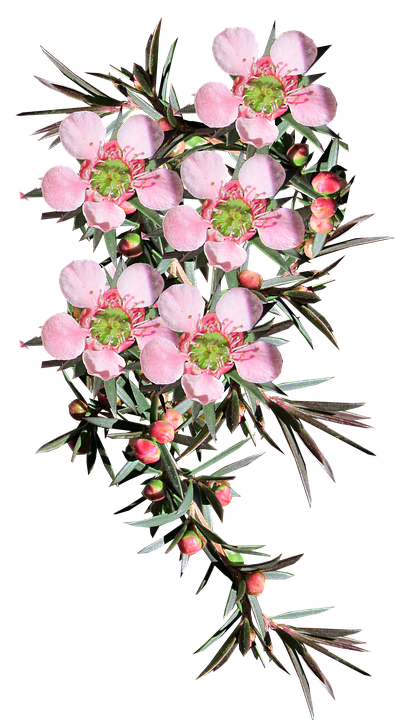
180, 307
202, 388
281, 229
261, 176
105, 364
82, 282
62, 337
235, 49
293, 52
62, 189
152, 329
140, 136
239, 308
140, 285
313, 105
184, 228
203, 174
82, 134
259, 362
257, 131
160, 189
215, 105
161, 362
227, 254
105, 215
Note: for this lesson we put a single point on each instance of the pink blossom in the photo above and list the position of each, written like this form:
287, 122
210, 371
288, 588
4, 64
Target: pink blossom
233, 211
111, 319
111, 171
210, 345
265, 87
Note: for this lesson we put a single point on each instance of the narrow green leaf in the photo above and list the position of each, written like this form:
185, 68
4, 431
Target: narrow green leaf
272, 254
71, 385
170, 470
104, 457
166, 71
154, 52
131, 506
352, 243
299, 460
221, 631
158, 520
110, 387
177, 537
159, 543
219, 456
236, 465
128, 468
231, 600
59, 441
150, 214
244, 637
213, 500
303, 129
298, 384
257, 611
318, 320
270, 41
72, 76
226, 648
205, 579
111, 245
301, 676
294, 614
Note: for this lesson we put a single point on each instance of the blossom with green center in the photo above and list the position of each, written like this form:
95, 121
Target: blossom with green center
210, 350
110, 326
232, 217
111, 178
264, 94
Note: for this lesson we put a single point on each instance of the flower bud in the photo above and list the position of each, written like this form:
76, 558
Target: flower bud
255, 583
309, 248
252, 637
321, 226
77, 409
131, 245
190, 543
145, 450
298, 154
165, 125
162, 431
328, 183
234, 557
323, 207
250, 279
155, 490
173, 417
223, 493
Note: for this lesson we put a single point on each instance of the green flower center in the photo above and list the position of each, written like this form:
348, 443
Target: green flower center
110, 178
232, 217
264, 94
111, 326
210, 351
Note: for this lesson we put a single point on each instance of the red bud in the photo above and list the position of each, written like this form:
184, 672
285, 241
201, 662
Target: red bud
145, 450
323, 207
250, 279
255, 583
190, 543
131, 245
77, 409
327, 183
162, 431
173, 417
298, 154
154, 491
223, 493
321, 226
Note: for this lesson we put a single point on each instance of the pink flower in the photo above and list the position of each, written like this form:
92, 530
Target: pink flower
210, 345
111, 320
233, 211
265, 87
111, 171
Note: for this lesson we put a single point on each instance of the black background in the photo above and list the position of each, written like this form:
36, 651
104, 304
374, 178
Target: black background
130, 621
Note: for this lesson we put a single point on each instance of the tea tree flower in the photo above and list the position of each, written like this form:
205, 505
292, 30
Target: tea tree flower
111, 171
265, 87
233, 210
210, 345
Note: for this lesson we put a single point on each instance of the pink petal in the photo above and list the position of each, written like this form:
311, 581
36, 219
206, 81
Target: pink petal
105, 215
161, 362
140, 285
227, 254
294, 52
140, 136
62, 189
282, 229
260, 362
160, 190
184, 228
262, 176
235, 49
105, 364
152, 329
239, 308
62, 337
82, 134
181, 306
215, 105
257, 131
203, 174
313, 105
202, 388
82, 282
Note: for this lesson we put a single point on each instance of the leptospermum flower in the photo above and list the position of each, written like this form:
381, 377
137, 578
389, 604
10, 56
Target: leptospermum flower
233, 211
210, 345
265, 87
111, 319
111, 172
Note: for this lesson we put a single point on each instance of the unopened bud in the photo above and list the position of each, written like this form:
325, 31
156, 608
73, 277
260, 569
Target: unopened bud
162, 431
252, 637
165, 125
234, 557
309, 248
77, 409
223, 493
298, 154
323, 207
155, 490
173, 417
328, 183
190, 543
145, 450
321, 226
250, 279
131, 245
255, 583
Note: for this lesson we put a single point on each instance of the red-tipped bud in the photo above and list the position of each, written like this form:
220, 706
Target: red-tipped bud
327, 183
165, 125
298, 154
162, 431
234, 557
252, 637
255, 583
250, 279
321, 226
223, 493
145, 450
130, 245
155, 490
173, 417
190, 543
77, 409
309, 248
323, 207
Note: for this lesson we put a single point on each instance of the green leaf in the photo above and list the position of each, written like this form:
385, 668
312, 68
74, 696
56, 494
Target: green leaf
276, 575
166, 71
71, 385
272, 254
301, 676
148, 109
244, 637
154, 52
223, 653
319, 242
170, 470
303, 129
131, 506
257, 611
177, 537
219, 456
104, 457
213, 500
231, 600
128, 468
318, 320
352, 243
142, 402
59, 441
111, 245
75, 78
159, 543
221, 631
303, 186
326, 652
299, 460
210, 419
227, 469
158, 520
270, 41
152, 215
143, 79
298, 384
205, 579
110, 387
294, 614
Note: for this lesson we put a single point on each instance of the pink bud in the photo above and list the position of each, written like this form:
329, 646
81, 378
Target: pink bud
223, 493
173, 417
145, 450
190, 543
298, 154
255, 583
321, 226
323, 207
165, 125
77, 409
327, 183
250, 279
162, 431
154, 490
131, 245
